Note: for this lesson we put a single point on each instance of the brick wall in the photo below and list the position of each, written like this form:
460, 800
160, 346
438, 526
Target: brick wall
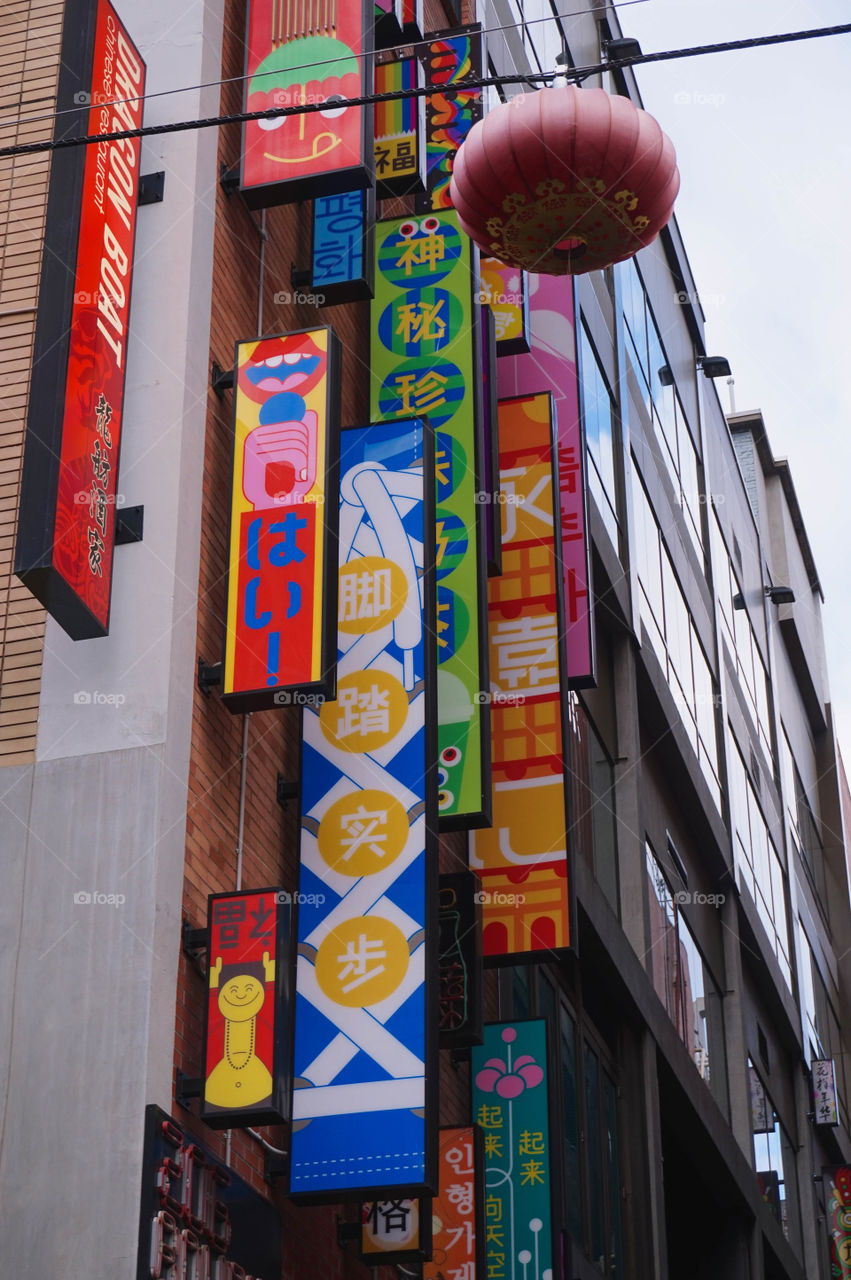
30, 36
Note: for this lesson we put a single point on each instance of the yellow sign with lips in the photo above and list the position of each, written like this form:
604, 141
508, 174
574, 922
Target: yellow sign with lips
278, 634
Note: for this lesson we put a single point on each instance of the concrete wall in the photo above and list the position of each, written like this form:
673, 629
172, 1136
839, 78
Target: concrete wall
88, 1013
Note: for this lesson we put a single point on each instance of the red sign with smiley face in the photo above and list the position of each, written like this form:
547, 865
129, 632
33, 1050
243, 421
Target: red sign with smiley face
246, 1032
306, 55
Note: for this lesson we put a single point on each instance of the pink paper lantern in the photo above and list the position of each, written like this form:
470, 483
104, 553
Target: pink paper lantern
565, 180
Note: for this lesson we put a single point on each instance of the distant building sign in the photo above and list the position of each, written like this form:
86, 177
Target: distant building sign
365, 1055
511, 1105
197, 1217
304, 54
279, 634
66, 523
824, 1092
246, 1032
523, 859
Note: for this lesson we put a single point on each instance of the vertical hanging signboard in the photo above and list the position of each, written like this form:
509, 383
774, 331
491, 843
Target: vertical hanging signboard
453, 59
279, 629
458, 1232
399, 130
66, 517
490, 493
551, 366
505, 292
511, 1105
395, 1231
365, 1056
342, 255
423, 360
246, 1032
460, 961
303, 55
523, 859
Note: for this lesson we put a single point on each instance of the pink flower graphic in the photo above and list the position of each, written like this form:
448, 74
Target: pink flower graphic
507, 1080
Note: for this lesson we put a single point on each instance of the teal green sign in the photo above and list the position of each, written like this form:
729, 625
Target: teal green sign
423, 363
511, 1104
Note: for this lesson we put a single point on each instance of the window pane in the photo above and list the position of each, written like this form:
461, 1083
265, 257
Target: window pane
596, 1178
570, 1107
610, 1108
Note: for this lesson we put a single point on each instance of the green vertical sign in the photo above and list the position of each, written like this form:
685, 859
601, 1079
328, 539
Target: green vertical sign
423, 364
510, 1103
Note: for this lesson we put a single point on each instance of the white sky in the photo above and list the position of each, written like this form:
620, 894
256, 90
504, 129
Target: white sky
763, 140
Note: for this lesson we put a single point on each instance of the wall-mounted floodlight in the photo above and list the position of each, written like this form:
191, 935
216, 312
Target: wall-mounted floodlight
780, 595
714, 366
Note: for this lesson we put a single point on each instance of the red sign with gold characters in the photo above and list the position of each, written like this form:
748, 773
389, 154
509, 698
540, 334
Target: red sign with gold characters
246, 1035
280, 630
68, 493
458, 1235
524, 859
306, 54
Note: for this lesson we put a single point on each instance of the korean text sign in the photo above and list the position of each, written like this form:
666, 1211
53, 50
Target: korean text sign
510, 1104
279, 626
306, 55
246, 1037
523, 860
551, 366
458, 1236
364, 1111
69, 491
342, 254
422, 360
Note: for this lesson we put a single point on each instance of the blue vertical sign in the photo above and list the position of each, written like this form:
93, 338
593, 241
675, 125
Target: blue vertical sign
364, 1112
342, 255
511, 1105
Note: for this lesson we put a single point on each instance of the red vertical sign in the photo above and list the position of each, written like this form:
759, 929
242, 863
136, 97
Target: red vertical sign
69, 486
245, 1059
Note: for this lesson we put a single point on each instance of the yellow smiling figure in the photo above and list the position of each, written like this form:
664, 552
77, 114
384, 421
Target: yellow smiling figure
240, 1079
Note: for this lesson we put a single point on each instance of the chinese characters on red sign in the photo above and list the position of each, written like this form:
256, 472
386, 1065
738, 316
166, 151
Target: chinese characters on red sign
244, 1054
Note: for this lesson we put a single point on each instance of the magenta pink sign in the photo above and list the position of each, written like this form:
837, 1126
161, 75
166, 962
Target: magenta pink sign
550, 365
